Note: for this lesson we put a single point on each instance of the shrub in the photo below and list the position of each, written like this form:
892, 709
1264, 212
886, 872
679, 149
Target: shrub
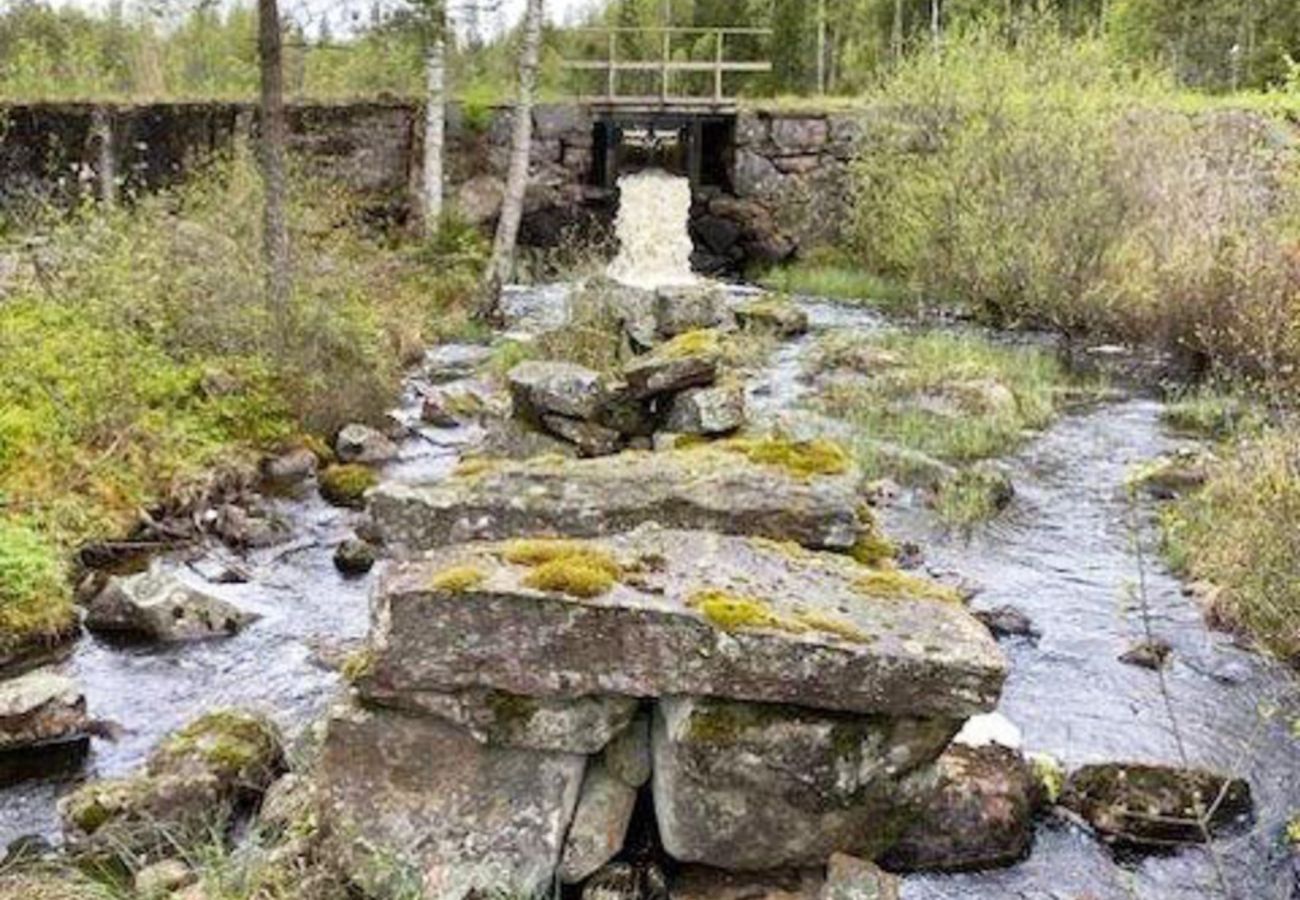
1042, 184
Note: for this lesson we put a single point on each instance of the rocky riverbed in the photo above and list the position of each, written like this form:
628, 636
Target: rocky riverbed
702, 630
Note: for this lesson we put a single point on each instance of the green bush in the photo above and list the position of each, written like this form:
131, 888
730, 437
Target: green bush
1040, 183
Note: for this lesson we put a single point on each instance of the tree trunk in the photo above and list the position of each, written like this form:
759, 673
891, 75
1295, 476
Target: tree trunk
435, 113
936, 28
274, 131
512, 205
896, 34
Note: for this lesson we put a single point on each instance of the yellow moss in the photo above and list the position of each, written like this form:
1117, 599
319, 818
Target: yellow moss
577, 575
802, 459
540, 551
831, 625
701, 342
737, 612
892, 584
874, 549
358, 665
455, 579
474, 465
346, 485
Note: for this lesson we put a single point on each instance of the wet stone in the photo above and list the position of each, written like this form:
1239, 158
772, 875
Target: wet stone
708, 410
40, 707
1153, 807
566, 389
782, 318
627, 756
690, 613
157, 605
362, 444
354, 557
850, 878
482, 819
590, 438
979, 816
1007, 621
1152, 654
749, 786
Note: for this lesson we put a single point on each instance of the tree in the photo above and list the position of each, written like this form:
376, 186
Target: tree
274, 136
435, 111
512, 204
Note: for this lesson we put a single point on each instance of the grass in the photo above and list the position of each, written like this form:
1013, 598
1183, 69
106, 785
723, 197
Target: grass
1239, 534
838, 281
138, 352
955, 397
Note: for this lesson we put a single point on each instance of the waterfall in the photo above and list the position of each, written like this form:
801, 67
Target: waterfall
654, 243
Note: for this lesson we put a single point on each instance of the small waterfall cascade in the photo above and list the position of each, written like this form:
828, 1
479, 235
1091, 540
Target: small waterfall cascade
654, 243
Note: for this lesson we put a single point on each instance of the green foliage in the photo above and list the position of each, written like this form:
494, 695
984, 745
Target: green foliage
839, 278
346, 485
35, 603
1238, 533
1062, 190
144, 352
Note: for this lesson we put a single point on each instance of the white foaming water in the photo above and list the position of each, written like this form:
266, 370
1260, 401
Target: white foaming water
654, 244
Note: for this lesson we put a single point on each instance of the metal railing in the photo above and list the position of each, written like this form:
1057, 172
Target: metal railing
666, 66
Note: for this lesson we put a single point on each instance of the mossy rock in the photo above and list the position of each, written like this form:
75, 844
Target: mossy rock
240, 749
346, 485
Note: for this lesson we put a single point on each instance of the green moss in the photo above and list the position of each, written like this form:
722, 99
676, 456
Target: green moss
874, 549
318, 447
1049, 774
458, 579
234, 745
537, 551
826, 624
577, 575
892, 584
512, 710
739, 612
701, 342
1293, 831
35, 602
803, 459
722, 724
346, 485
358, 665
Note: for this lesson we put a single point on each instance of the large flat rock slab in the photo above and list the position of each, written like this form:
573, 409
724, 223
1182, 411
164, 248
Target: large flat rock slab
753, 786
720, 487
412, 801
660, 612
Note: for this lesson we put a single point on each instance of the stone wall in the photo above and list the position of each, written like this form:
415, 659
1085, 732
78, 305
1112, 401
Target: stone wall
785, 184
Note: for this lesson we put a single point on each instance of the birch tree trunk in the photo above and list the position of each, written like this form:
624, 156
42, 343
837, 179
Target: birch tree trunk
896, 34
512, 205
435, 114
274, 131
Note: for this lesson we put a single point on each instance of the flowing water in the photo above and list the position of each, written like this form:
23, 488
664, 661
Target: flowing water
654, 244
1063, 552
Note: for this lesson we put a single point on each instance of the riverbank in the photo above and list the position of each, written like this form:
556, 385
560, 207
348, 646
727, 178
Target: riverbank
139, 358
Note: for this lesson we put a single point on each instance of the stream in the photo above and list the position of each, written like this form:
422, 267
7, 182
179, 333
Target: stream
1063, 552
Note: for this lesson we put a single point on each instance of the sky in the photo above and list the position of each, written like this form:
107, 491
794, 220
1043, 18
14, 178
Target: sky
343, 15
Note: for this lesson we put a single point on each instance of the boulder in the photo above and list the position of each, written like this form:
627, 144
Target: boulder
436, 411
779, 317
599, 825
290, 467
689, 360
189, 789
354, 557
590, 438
362, 444
679, 310
159, 606
1153, 807
1151, 654
579, 725
478, 200
761, 488
755, 786
541, 387
1007, 621
40, 707
660, 612
850, 878
979, 816
414, 802
719, 409
632, 308
627, 756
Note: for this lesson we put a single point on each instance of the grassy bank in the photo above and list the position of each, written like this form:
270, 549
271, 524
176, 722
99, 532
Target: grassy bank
928, 406
1240, 533
137, 351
